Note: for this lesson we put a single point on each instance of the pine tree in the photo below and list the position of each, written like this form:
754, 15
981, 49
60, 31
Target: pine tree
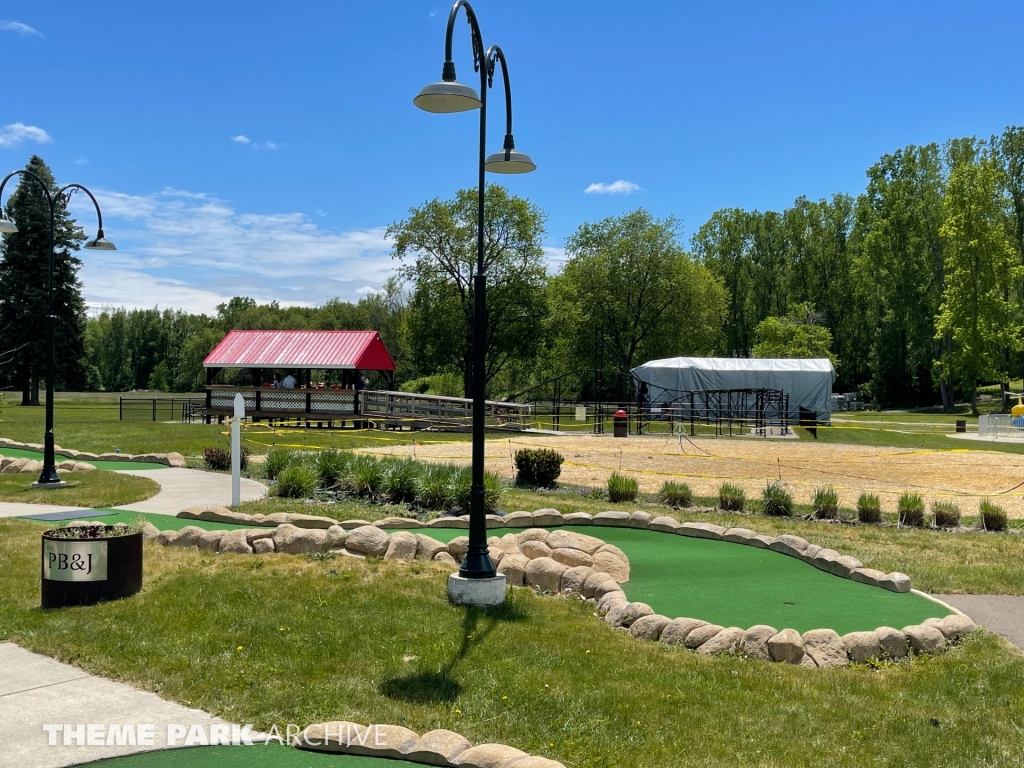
24, 264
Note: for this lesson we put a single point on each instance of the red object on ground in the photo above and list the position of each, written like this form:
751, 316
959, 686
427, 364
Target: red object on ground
621, 414
326, 350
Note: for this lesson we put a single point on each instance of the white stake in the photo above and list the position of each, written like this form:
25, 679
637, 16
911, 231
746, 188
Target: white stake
236, 450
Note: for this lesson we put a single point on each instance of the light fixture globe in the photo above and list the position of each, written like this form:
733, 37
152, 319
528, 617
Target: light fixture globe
509, 161
445, 97
7, 227
99, 243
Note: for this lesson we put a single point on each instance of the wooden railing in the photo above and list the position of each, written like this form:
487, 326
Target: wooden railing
397, 408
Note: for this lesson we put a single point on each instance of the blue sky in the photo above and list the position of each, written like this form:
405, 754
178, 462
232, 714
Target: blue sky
262, 148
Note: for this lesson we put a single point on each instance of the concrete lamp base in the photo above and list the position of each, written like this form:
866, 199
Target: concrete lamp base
477, 593
60, 484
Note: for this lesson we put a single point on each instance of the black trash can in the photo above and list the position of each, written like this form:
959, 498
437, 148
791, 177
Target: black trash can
620, 422
961, 425
100, 565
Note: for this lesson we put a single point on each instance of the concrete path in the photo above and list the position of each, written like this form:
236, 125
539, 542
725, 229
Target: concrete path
183, 488
1002, 614
18, 509
36, 691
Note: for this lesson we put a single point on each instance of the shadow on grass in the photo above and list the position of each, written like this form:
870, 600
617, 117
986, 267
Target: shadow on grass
426, 687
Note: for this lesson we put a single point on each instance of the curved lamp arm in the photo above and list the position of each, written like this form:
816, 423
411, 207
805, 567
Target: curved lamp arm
495, 55
29, 175
448, 73
95, 204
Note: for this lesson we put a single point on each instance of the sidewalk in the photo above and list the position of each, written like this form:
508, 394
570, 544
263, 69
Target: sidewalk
36, 690
1002, 614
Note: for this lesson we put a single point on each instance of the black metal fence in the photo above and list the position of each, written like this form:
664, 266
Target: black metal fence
159, 408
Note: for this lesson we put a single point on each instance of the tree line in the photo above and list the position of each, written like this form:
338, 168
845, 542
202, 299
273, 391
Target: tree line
914, 288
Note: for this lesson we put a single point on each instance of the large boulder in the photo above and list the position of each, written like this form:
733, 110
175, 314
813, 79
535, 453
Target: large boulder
700, 635
895, 582
924, 639
612, 518
787, 646
401, 546
427, 547
625, 615
952, 627
299, 541
263, 546
649, 627
609, 600
188, 536
728, 640
892, 642
861, 646
336, 537
611, 560
675, 632
640, 520
235, 542
150, 532
547, 517
755, 641
535, 549
825, 647
457, 547
571, 557
438, 747
489, 756
367, 540
514, 568
534, 534
595, 580
545, 574
574, 578
167, 538
446, 560
564, 539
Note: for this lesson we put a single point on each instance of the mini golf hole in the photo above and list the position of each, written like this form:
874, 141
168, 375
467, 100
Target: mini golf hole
786, 602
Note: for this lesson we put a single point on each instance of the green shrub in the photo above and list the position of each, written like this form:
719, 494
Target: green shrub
296, 481
993, 517
910, 509
330, 466
400, 480
731, 498
776, 500
946, 514
869, 508
433, 486
365, 475
220, 459
460, 486
277, 459
675, 494
538, 467
622, 488
826, 503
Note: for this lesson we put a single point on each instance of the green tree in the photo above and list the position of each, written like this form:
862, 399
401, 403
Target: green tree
24, 272
722, 245
980, 261
436, 245
796, 335
629, 290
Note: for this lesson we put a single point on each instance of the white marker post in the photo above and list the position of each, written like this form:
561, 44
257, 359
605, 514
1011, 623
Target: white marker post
236, 450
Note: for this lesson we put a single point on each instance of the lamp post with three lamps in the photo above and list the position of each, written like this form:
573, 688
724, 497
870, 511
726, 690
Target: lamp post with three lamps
477, 582
49, 478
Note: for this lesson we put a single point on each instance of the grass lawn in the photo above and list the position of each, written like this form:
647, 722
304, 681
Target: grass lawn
287, 639
84, 489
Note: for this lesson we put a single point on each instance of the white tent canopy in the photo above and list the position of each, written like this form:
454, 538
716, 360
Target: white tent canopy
807, 382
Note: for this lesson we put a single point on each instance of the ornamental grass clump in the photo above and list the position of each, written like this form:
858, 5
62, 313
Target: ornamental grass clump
993, 517
776, 501
433, 486
676, 495
622, 488
869, 509
538, 467
910, 509
365, 475
945, 514
277, 459
461, 482
400, 480
330, 466
826, 503
731, 498
296, 481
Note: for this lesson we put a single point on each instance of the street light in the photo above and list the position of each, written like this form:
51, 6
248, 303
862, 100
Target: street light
49, 478
448, 96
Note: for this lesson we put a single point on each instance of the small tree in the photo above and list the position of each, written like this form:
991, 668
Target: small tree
794, 335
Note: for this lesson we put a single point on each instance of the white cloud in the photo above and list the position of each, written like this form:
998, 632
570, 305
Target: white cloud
270, 145
241, 139
12, 135
432, 14
17, 26
619, 187
194, 251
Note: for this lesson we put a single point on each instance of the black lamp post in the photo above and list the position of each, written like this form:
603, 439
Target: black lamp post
49, 478
451, 96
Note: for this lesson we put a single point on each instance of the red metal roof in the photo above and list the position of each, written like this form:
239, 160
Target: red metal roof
326, 350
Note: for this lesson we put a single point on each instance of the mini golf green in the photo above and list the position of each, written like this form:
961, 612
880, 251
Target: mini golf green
163, 522
19, 453
259, 756
736, 585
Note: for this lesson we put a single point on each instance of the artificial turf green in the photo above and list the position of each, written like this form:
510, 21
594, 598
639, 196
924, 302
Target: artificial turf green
736, 585
19, 453
163, 522
258, 756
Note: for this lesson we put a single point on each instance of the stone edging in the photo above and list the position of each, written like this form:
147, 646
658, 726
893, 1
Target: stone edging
439, 747
12, 466
814, 648
168, 459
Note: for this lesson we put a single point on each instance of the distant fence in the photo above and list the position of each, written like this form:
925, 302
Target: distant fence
159, 408
1001, 425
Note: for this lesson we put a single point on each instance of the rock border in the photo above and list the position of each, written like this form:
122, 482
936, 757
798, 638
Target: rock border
815, 648
167, 459
13, 466
438, 747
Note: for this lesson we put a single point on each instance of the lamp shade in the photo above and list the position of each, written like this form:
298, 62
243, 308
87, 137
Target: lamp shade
509, 161
7, 226
100, 243
446, 97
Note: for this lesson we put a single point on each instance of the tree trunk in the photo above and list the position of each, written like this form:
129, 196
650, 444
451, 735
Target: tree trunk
946, 389
974, 400
26, 394
35, 390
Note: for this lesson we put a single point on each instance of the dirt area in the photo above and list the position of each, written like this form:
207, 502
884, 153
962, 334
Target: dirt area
963, 475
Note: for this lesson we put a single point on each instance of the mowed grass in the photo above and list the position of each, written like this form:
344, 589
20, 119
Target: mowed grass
84, 489
283, 639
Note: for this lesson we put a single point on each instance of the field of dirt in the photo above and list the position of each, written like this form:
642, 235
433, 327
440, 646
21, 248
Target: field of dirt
964, 476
